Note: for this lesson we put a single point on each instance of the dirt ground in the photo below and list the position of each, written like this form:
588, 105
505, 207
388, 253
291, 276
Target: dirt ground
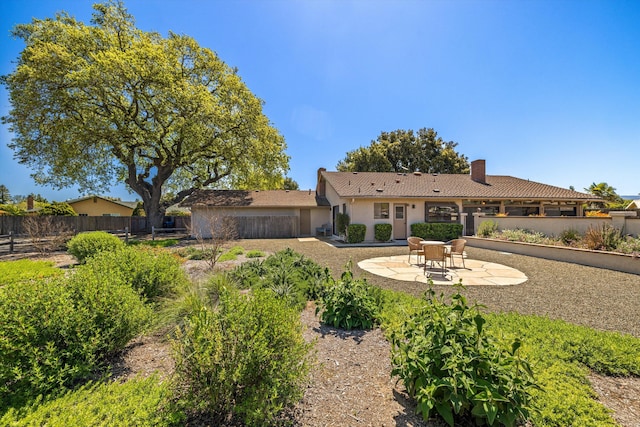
351, 384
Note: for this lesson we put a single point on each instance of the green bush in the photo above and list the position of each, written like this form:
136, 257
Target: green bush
254, 253
382, 232
153, 273
356, 233
55, 332
604, 238
85, 245
25, 270
245, 360
450, 365
342, 222
57, 209
487, 228
139, 402
349, 303
570, 237
443, 231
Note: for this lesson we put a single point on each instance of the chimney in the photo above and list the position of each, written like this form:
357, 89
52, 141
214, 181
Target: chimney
321, 186
478, 171
30, 202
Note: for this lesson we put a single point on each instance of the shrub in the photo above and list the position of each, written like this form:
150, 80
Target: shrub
449, 364
55, 332
487, 228
570, 237
382, 232
153, 273
349, 303
444, 231
605, 238
356, 233
85, 245
139, 402
244, 360
342, 222
57, 209
255, 253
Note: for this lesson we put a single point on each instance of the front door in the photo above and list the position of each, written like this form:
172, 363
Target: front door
399, 222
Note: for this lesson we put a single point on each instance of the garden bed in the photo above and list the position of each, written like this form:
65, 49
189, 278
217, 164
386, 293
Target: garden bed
600, 259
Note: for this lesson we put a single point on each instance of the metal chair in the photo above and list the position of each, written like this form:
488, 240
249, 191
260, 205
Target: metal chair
457, 248
414, 246
435, 254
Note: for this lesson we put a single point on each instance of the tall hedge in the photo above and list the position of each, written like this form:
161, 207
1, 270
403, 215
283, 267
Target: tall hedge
443, 231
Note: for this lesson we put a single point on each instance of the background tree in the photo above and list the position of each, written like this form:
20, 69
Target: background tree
56, 209
5, 196
290, 184
607, 192
405, 151
92, 105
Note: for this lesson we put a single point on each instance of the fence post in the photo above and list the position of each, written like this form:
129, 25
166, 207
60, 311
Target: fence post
11, 242
126, 235
153, 232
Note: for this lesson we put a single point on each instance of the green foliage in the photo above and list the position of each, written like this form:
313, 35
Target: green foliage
349, 303
5, 195
487, 228
54, 332
356, 233
57, 209
255, 253
402, 150
14, 210
245, 359
153, 273
570, 237
153, 91
160, 243
436, 230
525, 236
382, 232
25, 270
139, 402
290, 275
342, 222
86, 245
450, 365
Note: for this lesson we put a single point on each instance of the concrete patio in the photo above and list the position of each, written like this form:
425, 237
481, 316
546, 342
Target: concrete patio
476, 273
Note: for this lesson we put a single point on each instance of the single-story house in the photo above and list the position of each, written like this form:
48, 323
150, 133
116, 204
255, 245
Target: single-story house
400, 199
101, 206
259, 214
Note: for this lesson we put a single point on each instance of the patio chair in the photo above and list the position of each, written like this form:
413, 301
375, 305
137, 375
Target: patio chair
414, 246
456, 248
435, 254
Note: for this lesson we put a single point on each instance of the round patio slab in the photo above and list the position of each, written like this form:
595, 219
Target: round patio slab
476, 273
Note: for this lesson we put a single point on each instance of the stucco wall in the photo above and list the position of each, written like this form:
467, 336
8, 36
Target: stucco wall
100, 207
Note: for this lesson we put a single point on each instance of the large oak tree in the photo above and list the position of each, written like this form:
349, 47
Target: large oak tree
92, 105
406, 151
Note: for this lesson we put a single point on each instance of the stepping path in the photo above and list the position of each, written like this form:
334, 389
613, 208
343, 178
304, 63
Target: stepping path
476, 273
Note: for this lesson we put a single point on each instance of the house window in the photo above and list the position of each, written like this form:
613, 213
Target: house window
380, 210
441, 212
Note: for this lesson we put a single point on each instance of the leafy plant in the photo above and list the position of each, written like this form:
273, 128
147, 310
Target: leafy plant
487, 228
349, 303
25, 270
606, 238
450, 365
342, 222
436, 230
153, 273
255, 253
382, 232
356, 233
54, 332
570, 237
245, 359
85, 245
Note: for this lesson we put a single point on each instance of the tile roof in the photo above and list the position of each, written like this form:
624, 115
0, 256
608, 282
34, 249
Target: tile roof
448, 186
255, 198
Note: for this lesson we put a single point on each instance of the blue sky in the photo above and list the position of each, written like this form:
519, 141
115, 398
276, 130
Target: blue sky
542, 90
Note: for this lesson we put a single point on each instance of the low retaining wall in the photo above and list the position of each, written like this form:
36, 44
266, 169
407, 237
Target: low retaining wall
600, 259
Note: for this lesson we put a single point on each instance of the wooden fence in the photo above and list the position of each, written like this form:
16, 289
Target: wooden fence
267, 227
79, 224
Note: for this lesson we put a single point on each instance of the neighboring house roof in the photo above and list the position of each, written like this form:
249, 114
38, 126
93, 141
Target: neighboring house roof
254, 199
131, 205
449, 186
635, 204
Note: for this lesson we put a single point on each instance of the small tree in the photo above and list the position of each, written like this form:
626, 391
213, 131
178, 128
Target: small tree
45, 233
5, 197
57, 209
212, 233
